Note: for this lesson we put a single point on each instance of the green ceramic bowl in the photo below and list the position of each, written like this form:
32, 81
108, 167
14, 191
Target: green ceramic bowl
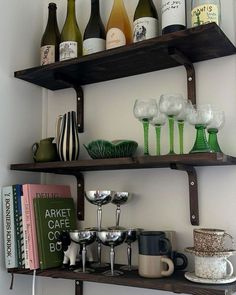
103, 149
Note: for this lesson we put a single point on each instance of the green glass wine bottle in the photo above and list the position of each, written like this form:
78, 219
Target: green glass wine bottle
173, 16
94, 35
205, 11
145, 22
71, 39
51, 38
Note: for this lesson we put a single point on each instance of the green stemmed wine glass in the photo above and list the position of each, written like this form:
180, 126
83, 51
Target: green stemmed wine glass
215, 125
144, 110
200, 116
181, 118
157, 121
171, 105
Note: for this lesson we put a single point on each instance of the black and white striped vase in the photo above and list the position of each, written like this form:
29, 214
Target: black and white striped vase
68, 138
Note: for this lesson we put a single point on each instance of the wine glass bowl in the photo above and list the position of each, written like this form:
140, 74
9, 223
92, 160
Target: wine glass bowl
84, 238
112, 238
217, 122
200, 116
144, 110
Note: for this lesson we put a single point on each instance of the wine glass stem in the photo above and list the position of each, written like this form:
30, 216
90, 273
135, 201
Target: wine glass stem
171, 134
117, 215
84, 257
213, 141
129, 255
99, 217
112, 259
181, 136
145, 130
158, 140
99, 249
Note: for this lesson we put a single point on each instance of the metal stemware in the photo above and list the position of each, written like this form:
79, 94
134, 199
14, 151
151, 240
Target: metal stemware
119, 199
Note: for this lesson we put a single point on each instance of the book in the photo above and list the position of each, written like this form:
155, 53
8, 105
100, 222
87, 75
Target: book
10, 246
53, 216
17, 193
25, 234
30, 192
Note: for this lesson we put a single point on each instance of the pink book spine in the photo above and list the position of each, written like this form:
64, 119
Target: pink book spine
25, 233
31, 191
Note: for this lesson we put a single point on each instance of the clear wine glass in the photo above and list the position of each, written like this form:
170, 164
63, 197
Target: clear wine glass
171, 105
144, 110
200, 116
181, 118
215, 125
112, 238
99, 198
158, 121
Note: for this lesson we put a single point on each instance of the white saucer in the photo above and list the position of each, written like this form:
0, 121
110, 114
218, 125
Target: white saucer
193, 278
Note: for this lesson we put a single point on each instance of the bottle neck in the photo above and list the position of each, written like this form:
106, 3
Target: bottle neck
71, 10
95, 10
52, 18
118, 3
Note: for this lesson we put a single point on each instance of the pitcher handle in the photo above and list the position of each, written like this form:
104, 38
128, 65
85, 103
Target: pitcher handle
35, 147
58, 128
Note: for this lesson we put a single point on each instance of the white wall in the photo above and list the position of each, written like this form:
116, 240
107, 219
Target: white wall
21, 105
160, 198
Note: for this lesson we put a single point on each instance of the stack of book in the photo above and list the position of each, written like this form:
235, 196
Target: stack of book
33, 217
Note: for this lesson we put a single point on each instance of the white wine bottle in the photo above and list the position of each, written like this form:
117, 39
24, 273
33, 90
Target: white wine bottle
145, 24
51, 38
173, 16
205, 11
118, 27
94, 35
71, 39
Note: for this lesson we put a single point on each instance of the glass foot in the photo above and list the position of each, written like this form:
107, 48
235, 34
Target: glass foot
87, 270
129, 268
99, 264
115, 273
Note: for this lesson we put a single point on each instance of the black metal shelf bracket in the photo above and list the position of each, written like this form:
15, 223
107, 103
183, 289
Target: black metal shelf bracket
80, 195
79, 98
193, 191
191, 81
78, 287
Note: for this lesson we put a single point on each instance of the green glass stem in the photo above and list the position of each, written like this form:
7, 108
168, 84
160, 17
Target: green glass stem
145, 130
181, 136
213, 141
171, 134
201, 145
158, 140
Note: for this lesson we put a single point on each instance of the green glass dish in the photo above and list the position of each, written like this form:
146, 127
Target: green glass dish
103, 149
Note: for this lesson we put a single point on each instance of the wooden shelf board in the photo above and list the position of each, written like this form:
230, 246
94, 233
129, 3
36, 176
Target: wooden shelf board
143, 162
176, 283
197, 44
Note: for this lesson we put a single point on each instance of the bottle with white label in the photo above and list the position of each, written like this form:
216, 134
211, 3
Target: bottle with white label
94, 35
71, 39
145, 24
173, 15
205, 11
118, 27
51, 38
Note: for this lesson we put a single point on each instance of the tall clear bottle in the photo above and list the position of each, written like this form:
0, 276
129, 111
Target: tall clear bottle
173, 16
94, 35
145, 25
51, 38
71, 39
119, 31
206, 11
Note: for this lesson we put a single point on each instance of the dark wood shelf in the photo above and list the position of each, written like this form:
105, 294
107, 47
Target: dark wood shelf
176, 283
142, 162
197, 44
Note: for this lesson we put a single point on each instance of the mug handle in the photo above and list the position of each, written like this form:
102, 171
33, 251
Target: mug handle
231, 268
167, 244
230, 237
169, 262
176, 256
35, 147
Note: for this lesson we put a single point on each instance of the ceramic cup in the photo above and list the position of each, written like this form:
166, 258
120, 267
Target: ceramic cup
212, 240
213, 267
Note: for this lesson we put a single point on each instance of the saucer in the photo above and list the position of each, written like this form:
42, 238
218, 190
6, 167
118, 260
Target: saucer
225, 253
193, 278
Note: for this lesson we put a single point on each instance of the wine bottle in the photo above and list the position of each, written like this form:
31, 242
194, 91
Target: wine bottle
51, 38
118, 27
145, 25
205, 11
71, 39
94, 35
173, 16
